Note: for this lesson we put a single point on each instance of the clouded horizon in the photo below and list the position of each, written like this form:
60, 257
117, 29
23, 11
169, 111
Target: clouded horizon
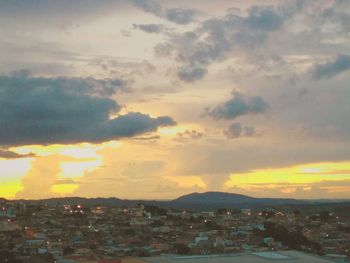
155, 99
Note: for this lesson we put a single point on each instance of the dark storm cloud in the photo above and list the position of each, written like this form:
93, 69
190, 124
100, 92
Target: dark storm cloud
236, 130
237, 106
149, 28
332, 68
6, 154
180, 16
37, 110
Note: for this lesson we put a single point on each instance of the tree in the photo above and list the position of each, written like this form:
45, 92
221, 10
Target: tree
324, 216
7, 256
296, 212
292, 239
129, 232
68, 250
268, 214
155, 210
221, 211
157, 223
211, 225
182, 249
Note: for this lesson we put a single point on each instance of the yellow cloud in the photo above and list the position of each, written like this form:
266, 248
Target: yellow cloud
53, 163
64, 189
11, 173
298, 174
188, 181
78, 168
289, 190
9, 189
82, 150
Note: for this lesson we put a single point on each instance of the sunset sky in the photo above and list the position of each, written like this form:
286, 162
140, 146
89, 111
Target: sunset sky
155, 99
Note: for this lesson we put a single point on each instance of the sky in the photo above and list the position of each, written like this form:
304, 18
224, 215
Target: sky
156, 99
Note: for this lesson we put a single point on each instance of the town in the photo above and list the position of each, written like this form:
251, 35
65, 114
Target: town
64, 233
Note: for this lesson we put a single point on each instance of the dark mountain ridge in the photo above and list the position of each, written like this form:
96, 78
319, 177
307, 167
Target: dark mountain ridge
193, 201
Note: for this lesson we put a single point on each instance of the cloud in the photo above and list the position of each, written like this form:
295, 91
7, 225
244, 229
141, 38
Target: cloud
336, 14
238, 105
6, 154
190, 74
149, 28
57, 13
263, 18
191, 134
332, 68
149, 6
42, 176
214, 39
35, 110
147, 138
180, 16
315, 190
236, 130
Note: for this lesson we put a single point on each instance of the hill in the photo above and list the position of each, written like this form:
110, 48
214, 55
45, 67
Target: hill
220, 199
193, 201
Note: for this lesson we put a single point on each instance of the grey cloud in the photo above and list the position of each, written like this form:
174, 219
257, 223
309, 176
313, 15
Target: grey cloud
180, 15
236, 130
215, 38
149, 28
6, 154
190, 74
149, 6
336, 14
264, 18
56, 13
133, 123
37, 110
191, 134
164, 49
332, 68
147, 138
237, 106
249, 131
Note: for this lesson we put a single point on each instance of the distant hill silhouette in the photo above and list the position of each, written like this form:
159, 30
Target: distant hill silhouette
215, 197
194, 201
225, 199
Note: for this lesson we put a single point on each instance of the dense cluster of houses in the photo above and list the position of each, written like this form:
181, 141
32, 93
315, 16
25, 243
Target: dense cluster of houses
77, 233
